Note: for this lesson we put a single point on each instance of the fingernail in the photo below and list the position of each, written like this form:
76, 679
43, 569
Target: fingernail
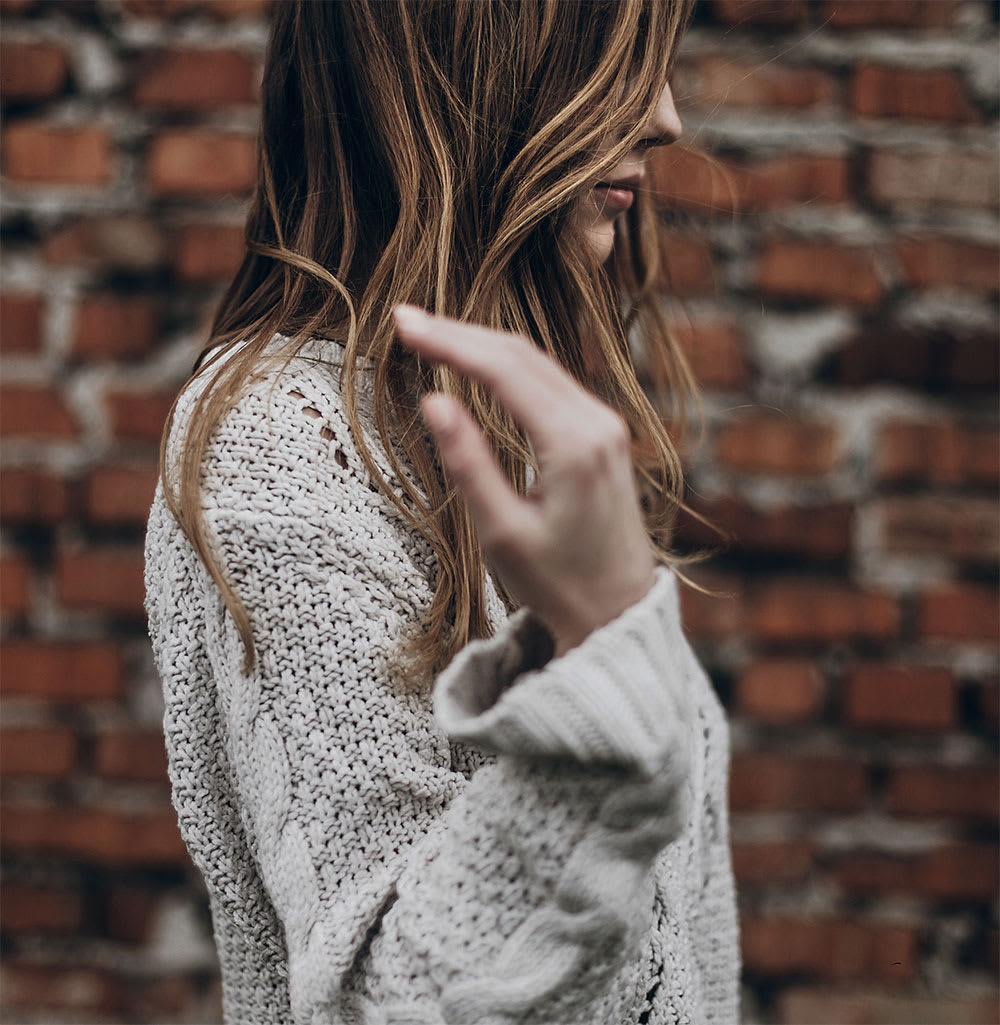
410, 318
438, 410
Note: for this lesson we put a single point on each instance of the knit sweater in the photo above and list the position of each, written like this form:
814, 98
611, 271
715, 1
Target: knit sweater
531, 839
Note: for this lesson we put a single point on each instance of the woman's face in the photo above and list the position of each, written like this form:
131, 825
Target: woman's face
601, 208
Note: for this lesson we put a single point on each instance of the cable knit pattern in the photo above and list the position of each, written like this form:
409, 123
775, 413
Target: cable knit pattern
537, 839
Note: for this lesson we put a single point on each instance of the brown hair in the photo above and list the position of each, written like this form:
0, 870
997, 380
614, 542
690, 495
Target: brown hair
433, 153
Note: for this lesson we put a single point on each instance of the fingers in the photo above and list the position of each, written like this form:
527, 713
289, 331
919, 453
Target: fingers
539, 394
497, 510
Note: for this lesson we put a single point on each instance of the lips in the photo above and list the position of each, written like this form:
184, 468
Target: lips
615, 198
630, 182
619, 194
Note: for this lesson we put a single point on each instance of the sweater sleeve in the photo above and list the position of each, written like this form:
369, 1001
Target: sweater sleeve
407, 893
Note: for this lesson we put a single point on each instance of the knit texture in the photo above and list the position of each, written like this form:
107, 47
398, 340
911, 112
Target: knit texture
533, 839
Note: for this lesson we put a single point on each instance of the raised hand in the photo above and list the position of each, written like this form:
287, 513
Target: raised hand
574, 549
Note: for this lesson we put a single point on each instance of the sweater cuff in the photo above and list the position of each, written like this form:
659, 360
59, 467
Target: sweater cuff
619, 698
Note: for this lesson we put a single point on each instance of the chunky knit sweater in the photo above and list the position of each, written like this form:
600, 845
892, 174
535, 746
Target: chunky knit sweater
531, 839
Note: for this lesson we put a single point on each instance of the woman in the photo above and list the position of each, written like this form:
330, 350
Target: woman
437, 741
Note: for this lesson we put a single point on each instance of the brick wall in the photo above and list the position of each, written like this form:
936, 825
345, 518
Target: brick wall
838, 275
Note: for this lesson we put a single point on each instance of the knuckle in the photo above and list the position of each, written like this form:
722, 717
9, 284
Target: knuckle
607, 443
504, 540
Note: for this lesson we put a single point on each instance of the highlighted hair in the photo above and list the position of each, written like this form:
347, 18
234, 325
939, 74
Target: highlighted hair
434, 153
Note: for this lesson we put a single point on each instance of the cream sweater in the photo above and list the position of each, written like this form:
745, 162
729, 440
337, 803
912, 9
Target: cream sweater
534, 840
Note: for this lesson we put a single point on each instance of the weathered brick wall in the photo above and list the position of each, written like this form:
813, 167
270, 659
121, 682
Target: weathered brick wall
839, 277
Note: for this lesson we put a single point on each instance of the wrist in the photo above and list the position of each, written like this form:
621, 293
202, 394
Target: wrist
569, 635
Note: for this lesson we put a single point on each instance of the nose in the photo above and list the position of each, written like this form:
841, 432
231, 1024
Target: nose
665, 125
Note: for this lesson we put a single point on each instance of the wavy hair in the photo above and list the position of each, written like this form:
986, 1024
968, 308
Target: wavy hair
434, 153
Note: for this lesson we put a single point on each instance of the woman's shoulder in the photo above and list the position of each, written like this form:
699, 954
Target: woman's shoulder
285, 430
250, 374
275, 397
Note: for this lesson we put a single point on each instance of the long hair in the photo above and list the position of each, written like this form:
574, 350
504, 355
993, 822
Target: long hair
433, 153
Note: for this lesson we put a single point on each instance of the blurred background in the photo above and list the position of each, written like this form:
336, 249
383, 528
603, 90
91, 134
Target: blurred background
834, 278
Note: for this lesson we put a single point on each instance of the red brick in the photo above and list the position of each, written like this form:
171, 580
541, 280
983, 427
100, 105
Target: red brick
45, 751
32, 71
962, 528
988, 692
131, 912
137, 755
946, 177
849, 14
927, 359
714, 351
61, 671
931, 262
139, 416
780, 690
935, 95
26, 910
121, 494
27, 411
942, 454
36, 153
799, 178
828, 948
30, 989
103, 580
195, 79
959, 612
990, 957
200, 162
703, 183
206, 253
802, 1006
116, 326
166, 998
767, 443
231, 9
15, 584
958, 872
32, 496
21, 323
712, 615
733, 83
111, 838
965, 791
773, 782
759, 12
819, 272
975, 362
219, 9
821, 531
790, 609
688, 269
901, 697
125, 242
773, 861
691, 179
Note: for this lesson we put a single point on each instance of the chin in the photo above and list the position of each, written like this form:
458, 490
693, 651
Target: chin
602, 242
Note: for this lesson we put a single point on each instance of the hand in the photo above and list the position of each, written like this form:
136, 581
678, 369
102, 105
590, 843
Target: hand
574, 549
